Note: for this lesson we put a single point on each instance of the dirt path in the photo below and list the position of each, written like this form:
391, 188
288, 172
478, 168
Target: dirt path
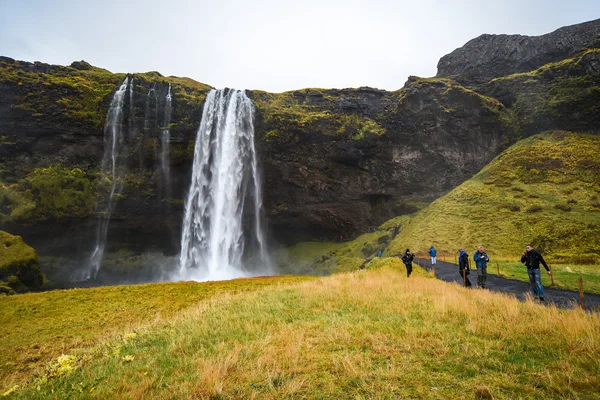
561, 298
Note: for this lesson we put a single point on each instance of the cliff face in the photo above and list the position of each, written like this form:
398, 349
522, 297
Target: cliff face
491, 56
334, 162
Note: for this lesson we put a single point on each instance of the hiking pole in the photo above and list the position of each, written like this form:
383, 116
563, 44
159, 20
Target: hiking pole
581, 298
551, 275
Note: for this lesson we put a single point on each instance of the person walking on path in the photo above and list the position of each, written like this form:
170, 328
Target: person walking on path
407, 259
463, 266
532, 259
433, 255
481, 259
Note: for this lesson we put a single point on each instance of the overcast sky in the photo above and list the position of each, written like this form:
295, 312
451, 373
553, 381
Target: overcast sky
273, 45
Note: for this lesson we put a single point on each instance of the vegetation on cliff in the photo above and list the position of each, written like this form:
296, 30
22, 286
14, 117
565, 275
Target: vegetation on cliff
559, 95
19, 265
367, 334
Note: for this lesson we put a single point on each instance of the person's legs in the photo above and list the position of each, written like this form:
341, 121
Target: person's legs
538, 281
481, 277
465, 279
408, 269
433, 260
532, 281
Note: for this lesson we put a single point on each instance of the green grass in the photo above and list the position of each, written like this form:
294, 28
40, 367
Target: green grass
37, 327
324, 258
566, 276
367, 334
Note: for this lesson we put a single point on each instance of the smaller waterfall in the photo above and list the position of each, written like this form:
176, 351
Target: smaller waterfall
222, 223
164, 145
113, 139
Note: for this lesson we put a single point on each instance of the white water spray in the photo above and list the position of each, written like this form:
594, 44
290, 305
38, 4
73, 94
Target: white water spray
113, 138
164, 143
222, 221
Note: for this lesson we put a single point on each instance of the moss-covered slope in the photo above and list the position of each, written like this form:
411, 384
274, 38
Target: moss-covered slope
19, 265
543, 190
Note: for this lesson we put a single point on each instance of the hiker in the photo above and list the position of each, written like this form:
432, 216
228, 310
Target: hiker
379, 253
463, 266
407, 259
433, 254
532, 259
481, 259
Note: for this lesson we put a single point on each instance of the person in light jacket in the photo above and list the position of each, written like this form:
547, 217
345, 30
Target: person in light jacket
433, 254
481, 259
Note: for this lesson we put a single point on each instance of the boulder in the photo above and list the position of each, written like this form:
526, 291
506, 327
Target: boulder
19, 263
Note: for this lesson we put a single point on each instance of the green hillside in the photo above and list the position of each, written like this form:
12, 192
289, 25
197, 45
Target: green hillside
544, 190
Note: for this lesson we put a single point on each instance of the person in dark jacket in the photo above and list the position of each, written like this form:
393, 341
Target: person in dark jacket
407, 259
532, 259
481, 259
463, 266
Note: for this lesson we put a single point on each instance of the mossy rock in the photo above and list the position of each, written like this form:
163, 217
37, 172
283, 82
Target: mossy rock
19, 263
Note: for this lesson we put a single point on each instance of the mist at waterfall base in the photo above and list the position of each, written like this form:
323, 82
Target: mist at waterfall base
222, 229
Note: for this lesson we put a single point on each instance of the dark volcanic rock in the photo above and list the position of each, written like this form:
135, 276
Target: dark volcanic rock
490, 56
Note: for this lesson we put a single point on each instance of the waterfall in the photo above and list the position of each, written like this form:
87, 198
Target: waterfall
113, 139
222, 227
164, 145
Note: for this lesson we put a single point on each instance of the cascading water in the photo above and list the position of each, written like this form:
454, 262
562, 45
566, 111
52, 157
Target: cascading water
113, 138
222, 222
164, 145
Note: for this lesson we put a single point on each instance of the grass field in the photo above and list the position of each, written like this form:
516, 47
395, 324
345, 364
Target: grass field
37, 327
359, 335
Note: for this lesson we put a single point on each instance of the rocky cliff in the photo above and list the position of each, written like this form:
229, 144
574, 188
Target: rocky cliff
334, 162
491, 56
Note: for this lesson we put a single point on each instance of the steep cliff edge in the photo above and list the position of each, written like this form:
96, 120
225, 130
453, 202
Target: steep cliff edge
492, 56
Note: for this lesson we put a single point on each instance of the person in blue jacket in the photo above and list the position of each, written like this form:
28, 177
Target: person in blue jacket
481, 259
433, 255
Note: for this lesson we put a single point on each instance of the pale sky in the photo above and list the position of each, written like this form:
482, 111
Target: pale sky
273, 45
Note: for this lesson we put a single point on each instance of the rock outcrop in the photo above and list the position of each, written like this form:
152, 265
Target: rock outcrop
19, 264
491, 56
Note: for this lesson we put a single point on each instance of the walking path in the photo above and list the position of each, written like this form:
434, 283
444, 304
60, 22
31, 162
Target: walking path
561, 298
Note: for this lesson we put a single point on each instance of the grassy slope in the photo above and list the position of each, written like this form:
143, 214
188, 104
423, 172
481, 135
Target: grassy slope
544, 189
324, 258
368, 334
36, 327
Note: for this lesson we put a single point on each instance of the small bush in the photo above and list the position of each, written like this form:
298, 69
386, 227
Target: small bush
534, 209
563, 207
572, 201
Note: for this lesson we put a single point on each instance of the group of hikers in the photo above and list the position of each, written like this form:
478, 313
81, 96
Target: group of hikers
530, 257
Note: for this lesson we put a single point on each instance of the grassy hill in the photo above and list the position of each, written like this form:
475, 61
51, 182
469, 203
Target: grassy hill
543, 190
367, 334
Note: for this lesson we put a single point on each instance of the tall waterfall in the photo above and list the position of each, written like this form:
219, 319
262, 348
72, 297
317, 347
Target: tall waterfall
165, 138
113, 139
222, 229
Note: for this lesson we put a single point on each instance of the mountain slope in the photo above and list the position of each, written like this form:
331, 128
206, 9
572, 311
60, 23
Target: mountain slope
544, 190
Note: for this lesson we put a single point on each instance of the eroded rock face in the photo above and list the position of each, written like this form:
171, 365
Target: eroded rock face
321, 180
491, 56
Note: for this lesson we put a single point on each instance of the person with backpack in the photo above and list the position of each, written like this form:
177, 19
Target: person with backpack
532, 259
407, 259
463, 266
432, 254
481, 259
